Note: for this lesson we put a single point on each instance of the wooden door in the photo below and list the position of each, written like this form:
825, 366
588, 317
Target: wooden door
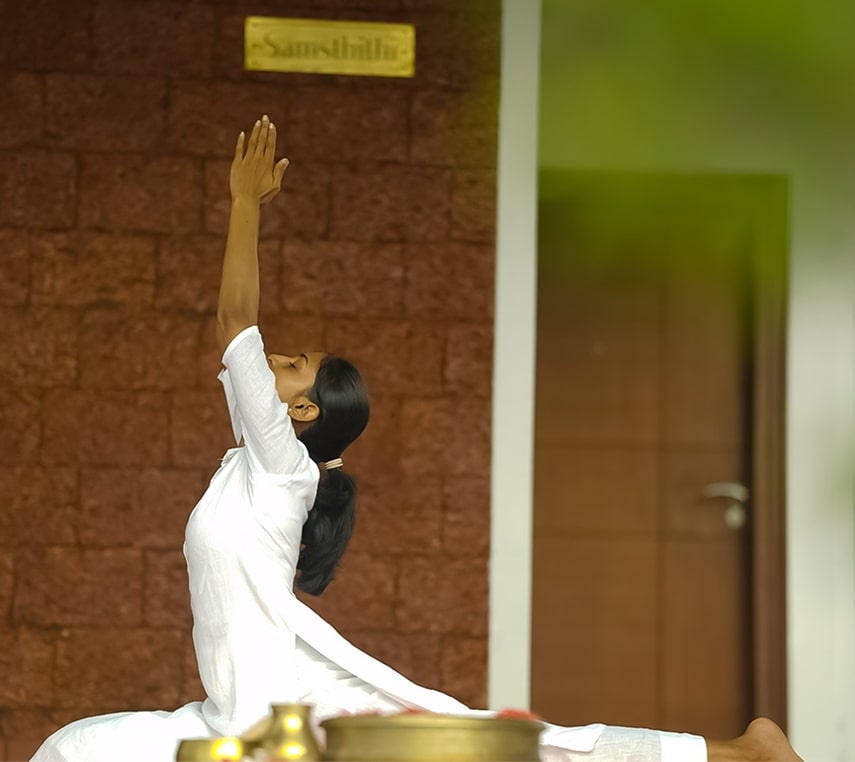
642, 578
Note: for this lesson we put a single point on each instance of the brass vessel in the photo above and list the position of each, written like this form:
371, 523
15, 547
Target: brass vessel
431, 738
286, 734
226, 749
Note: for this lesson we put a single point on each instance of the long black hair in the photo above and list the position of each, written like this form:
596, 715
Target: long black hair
342, 400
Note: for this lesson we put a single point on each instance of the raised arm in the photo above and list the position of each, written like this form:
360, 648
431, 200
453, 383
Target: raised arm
254, 180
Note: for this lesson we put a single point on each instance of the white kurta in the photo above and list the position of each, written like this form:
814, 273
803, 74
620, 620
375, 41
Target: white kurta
256, 643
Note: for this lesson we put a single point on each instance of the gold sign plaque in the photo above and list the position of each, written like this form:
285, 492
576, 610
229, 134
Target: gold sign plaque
316, 46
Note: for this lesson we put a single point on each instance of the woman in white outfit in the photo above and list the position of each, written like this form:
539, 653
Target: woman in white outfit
278, 512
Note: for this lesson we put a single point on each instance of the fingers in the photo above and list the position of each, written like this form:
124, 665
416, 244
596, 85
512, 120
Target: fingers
241, 139
263, 137
278, 171
262, 140
270, 145
252, 147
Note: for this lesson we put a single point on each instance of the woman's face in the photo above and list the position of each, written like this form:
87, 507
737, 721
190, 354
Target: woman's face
295, 374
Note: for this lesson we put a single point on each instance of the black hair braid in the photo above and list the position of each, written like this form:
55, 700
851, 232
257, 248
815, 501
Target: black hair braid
342, 400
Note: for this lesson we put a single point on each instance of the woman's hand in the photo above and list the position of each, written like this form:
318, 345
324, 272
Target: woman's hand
254, 180
254, 177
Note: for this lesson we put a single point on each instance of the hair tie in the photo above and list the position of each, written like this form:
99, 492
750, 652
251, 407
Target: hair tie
334, 463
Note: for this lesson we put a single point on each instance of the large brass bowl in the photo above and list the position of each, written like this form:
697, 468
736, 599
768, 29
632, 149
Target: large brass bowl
431, 738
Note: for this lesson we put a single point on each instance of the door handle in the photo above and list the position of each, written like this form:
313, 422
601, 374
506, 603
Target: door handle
735, 498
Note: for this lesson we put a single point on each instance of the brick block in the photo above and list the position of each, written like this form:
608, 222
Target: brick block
391, 203
18, 748
38, 505
189, 269
14, 268
154, 38
113, 669
445, 596
386, 646
167, 594
26, 663
340, 278
300, 211
455, 49
424, 654
455, 128
38, 185
415, 655
123, 350
206, 117
229, 61
287, 333
473, 206
105, 113
445, 437
24, 730
139, 193
200, 432
399, 517
393, 356
39, 347
20, 411
63, 586
348, 123
379, 450
362, 594
21, 99
469, 358
62, 41
83, 269
466, 516
450, 281
218, 199
463, 669
143, 508
105, 428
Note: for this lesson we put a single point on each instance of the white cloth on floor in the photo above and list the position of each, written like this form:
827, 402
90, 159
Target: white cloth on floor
256, 643
616, 744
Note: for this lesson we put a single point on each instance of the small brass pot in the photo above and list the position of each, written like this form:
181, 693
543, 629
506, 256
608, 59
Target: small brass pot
284, 736
226, 749
431, 738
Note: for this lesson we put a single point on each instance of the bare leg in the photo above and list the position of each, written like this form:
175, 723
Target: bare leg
762, 741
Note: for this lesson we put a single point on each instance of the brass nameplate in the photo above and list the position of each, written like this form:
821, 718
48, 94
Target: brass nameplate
329, 47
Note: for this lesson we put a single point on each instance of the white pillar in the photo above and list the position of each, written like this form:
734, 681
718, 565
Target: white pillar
514, 358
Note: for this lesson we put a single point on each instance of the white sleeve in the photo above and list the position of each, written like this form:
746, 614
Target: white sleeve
682, 747
258, 416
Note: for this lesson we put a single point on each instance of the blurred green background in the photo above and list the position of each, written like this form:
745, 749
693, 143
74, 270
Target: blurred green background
741, 84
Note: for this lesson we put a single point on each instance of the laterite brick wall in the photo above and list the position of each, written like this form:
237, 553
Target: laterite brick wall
117, 120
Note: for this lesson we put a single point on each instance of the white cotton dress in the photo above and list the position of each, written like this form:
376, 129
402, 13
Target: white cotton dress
256, 643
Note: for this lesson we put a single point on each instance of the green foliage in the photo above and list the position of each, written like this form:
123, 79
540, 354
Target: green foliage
655, 81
